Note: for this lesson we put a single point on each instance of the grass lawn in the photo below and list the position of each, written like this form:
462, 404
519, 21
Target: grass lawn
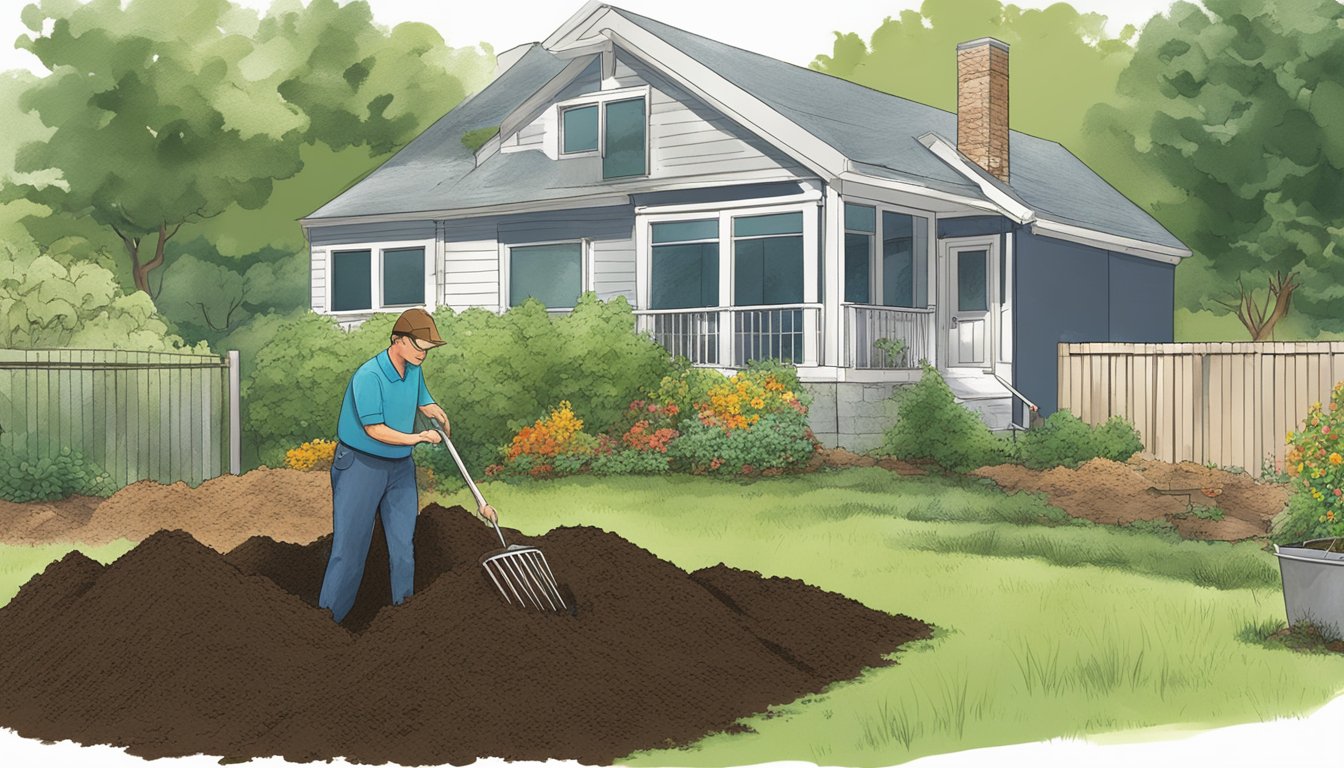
1033, 642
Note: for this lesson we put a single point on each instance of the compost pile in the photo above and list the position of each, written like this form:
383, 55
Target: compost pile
175, 649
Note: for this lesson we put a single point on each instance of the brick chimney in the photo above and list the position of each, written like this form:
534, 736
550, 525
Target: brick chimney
982, 104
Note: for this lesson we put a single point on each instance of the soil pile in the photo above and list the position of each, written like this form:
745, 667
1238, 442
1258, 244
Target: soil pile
175, 649
221, 512
1201, 502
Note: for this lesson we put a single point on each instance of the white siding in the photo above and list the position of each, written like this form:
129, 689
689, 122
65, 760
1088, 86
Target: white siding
318, 269
470, 274
614, 269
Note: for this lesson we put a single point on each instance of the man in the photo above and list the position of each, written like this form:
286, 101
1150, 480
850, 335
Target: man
372, 470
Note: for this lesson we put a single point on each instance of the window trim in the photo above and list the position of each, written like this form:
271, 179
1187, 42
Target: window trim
875, 265
506, 269
376, 249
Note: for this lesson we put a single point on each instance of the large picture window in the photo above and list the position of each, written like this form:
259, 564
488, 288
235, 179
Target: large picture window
369, 279
685, 264
551, 274
768, 259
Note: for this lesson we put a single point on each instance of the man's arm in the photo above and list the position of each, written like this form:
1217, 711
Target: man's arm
385, 434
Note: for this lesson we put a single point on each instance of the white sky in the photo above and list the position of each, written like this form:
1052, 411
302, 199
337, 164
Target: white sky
794, 32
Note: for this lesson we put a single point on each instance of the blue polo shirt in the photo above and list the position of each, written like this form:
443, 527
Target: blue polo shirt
377, 394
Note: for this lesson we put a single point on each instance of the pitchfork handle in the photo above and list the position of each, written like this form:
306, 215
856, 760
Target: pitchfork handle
480, 500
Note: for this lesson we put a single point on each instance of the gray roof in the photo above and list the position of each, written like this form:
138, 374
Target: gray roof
877, 131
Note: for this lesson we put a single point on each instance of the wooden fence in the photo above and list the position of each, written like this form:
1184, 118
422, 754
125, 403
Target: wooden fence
138, 415
1229, 404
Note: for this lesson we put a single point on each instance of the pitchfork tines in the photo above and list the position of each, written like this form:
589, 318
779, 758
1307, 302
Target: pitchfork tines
520, 573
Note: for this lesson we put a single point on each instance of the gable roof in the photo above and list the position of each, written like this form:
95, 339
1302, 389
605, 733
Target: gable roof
878, 134
1044, 175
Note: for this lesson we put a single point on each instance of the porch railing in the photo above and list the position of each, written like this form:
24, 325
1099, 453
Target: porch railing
908, 334
729, 337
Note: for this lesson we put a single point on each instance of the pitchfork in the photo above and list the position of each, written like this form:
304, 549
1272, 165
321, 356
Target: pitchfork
521, 574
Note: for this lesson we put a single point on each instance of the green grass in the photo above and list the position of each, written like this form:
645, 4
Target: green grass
1046, 628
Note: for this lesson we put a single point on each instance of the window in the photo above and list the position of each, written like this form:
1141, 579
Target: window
579, 129
403, 277
685, 264
551, 274
860, 226
768, 259
623, 150
972, 281
351, 281
905, 241
368, 279
617, 125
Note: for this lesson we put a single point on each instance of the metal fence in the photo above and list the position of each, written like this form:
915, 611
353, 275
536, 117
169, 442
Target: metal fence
139, 415
1226, 403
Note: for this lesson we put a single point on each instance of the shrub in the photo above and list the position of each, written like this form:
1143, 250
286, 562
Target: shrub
312, 455
753, 421
931, 425
1315, 466
50, 475
555, 445
1066, 440
774, 441
495, 374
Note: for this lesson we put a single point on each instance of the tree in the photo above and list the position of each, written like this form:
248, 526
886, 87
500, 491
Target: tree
157, 122
1062, 63
1236, 112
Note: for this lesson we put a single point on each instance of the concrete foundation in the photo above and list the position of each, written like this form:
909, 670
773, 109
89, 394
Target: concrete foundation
857, 415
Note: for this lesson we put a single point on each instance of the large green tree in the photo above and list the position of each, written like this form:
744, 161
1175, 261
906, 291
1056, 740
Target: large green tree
1061, 64
1234, 114
156, 123
197, 128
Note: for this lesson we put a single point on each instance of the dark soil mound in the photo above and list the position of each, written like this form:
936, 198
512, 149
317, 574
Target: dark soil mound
175, 649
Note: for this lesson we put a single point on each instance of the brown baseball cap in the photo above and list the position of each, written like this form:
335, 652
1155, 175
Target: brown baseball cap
419, 325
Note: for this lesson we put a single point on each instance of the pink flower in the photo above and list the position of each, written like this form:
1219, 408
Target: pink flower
1325, 430
1338, 492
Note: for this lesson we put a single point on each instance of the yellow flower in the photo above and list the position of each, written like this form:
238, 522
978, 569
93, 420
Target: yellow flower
1335, 458
786, 397
758, 404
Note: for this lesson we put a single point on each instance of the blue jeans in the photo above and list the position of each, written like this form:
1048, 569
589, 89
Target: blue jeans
362, 485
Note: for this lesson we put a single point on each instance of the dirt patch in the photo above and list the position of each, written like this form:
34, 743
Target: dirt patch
175, 649
1200, 502
221, 512
841, 458
40, 522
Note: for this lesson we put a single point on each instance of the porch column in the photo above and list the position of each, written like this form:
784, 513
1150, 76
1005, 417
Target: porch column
832, 256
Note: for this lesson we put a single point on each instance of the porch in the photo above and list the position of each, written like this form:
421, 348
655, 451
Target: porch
872, 338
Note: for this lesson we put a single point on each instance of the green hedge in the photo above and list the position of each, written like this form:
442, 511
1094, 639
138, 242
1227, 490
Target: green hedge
1065, 440
497, 373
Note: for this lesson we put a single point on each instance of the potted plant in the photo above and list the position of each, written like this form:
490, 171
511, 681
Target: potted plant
895, 351
1311, 562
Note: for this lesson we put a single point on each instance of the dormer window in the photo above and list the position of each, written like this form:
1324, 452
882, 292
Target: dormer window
613, 125
579, 129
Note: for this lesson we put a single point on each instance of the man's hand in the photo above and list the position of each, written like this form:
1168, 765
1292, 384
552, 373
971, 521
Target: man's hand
430, 436
488, 512
433, 411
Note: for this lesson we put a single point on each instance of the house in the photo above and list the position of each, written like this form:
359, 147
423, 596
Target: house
746, 208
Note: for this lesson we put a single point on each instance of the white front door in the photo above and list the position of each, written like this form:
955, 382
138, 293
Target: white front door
968, 267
